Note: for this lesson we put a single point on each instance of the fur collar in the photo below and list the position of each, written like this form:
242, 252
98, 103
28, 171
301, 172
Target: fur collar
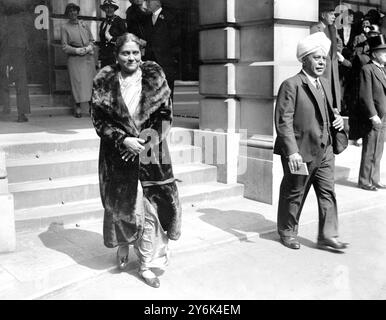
155, 89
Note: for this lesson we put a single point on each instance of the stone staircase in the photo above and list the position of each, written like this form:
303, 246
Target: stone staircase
186, 103
55, 179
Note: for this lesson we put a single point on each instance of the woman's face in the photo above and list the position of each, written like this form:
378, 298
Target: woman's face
129, 57
366, 25
73, 14
109, 10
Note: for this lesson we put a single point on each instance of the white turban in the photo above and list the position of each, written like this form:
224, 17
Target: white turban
313, 43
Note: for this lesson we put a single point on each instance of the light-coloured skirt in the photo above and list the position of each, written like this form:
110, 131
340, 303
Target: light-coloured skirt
81, 70
152, 247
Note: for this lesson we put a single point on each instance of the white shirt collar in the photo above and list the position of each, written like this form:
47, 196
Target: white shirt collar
311, 78
157, 13
378, 64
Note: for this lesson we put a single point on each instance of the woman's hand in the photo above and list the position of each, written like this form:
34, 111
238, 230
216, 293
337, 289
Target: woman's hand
89, 49
133, 147
80, 51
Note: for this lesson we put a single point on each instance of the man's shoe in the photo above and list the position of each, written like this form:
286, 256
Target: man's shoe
150, 279
368, 187
332, 243
380, 185
290, 242
22, 118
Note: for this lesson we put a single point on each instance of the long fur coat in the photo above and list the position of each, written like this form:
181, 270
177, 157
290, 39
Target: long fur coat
124, 211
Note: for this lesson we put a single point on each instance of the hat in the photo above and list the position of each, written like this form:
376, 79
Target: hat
377, 42
313, 43
106, 3
71, 6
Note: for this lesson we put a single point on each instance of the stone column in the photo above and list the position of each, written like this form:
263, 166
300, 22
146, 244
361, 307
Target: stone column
247, 48
7, 218
220, 108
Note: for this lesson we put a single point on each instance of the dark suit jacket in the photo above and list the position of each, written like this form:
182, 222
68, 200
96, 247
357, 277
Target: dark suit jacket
162, 41
332, 68
135, 21
348, 49
372, 92
299, 117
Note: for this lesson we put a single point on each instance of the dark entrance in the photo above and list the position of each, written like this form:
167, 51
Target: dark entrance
187, 13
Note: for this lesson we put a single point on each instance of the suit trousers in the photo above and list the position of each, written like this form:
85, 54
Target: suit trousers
4, 88
294, 190
20, 77
372, 151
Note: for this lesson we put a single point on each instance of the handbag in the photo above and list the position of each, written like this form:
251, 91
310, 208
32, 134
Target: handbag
339, 140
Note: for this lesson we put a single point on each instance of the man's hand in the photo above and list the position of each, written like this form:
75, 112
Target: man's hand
134, 146
338, 123
294, 161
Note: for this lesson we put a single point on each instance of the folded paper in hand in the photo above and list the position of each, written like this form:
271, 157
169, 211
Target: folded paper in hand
303, 170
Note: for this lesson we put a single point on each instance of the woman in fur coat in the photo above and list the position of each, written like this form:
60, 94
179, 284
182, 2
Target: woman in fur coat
132, 113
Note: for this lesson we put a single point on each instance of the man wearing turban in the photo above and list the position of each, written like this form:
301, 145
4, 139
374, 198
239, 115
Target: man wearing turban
304, 119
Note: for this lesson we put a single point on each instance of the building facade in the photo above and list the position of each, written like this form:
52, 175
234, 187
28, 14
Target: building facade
239, 52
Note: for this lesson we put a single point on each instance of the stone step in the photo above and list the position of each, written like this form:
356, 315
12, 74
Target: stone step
20, 145
187, 108
187, 122
32, 89
45, 111
44, 100
53, 165
28, 194
91, 209
186, 86
182, 96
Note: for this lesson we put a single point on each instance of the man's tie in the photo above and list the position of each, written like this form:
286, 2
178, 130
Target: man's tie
327, 122
318, 87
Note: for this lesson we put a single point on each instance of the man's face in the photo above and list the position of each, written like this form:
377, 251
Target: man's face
315, 63
380, 56
366, 25
138, 2
153, 5
329, 17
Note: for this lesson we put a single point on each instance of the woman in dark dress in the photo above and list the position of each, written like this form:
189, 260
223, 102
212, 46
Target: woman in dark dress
110, 29
132, 113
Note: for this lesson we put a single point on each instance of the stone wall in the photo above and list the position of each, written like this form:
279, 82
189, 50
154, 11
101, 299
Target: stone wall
248, 48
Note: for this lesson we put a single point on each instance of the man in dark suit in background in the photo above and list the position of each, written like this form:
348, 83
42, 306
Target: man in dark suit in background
162, 40
112, 27
304, 117
136, 16
14, 44
372, 95
4, 82
326, 25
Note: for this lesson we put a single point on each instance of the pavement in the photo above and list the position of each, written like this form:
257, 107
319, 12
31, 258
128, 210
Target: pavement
51, 260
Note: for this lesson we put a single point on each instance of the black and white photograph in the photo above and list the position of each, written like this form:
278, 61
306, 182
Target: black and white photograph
192, 154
